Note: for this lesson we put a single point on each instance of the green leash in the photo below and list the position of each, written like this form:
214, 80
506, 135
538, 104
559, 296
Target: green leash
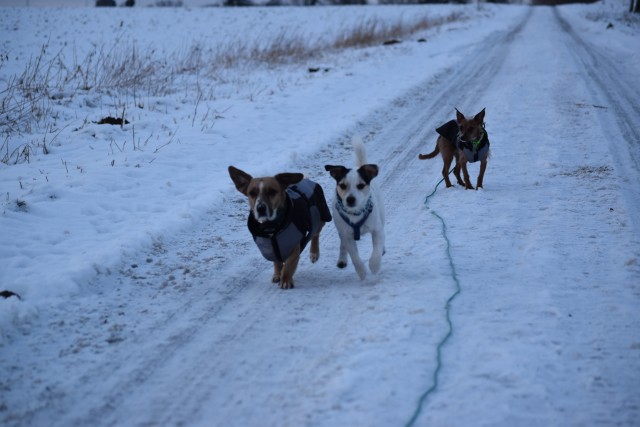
449, 333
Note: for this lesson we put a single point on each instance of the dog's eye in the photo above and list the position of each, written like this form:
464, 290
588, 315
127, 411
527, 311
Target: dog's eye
253, 193
361, 186
343, 186
271, 192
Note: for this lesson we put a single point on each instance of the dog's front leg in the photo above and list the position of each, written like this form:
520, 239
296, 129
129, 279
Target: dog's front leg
277, 272
342, 259
352, 248
375, 261
465, 172
445, 172
483, 167
289, 269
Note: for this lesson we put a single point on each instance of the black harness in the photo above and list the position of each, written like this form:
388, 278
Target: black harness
305, 210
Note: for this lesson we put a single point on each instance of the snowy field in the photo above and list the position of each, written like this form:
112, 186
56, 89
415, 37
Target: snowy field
143, 301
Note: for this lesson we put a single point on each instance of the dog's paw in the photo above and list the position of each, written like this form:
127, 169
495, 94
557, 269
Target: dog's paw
341, 264
314, 256
286, 284
362, 272
275, 278
374, 264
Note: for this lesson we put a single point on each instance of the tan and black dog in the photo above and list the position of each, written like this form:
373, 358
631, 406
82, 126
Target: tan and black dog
286, 212
464, 140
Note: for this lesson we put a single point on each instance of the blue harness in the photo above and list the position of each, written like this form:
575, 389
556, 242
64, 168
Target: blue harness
365, 212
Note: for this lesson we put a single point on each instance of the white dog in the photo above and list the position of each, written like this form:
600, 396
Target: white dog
358, 210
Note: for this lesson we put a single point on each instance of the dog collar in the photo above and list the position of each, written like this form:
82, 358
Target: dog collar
365, 212
475, 150
473, 144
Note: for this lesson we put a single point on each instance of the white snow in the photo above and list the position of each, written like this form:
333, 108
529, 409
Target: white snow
144, 300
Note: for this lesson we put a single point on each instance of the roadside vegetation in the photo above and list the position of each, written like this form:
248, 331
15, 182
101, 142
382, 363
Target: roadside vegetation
124, 71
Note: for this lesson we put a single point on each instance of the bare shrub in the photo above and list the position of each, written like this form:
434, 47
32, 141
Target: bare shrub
24, 100
122, 68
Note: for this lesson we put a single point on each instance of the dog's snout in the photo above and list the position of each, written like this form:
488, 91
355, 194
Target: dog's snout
351, 201
261, 209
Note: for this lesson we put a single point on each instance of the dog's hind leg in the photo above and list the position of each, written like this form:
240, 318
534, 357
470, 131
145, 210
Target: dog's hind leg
314, 252
456, 172
483, 167
445, 170
448, 153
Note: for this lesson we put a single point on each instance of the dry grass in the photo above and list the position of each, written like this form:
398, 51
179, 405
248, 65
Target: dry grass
374, 31
122, 70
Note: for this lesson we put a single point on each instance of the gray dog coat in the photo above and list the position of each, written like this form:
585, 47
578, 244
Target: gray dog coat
473, 152
305, 209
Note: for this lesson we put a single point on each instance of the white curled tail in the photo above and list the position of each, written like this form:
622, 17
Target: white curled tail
361, 154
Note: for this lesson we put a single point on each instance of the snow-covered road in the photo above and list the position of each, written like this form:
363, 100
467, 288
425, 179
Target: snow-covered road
545, 326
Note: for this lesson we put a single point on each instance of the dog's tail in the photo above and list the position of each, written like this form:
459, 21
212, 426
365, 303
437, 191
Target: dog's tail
361, 154
430, 155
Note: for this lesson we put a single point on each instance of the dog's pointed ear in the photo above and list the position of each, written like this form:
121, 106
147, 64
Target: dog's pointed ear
479, 118
337, 172
240, 179
368, 172
286, 179
460, 117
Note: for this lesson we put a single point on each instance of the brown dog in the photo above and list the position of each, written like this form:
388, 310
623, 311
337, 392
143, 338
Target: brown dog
286, 212
464, 140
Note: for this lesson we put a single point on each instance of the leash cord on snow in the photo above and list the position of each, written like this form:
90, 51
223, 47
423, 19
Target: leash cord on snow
449, 333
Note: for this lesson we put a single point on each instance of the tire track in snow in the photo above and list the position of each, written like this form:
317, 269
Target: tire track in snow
621, 95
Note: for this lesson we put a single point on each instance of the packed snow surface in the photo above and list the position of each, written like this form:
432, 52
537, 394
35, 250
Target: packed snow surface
142, 299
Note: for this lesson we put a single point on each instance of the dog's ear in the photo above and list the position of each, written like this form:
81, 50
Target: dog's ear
337, 172
368, 172
240, 179
479, 118
286, 179
460, 118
